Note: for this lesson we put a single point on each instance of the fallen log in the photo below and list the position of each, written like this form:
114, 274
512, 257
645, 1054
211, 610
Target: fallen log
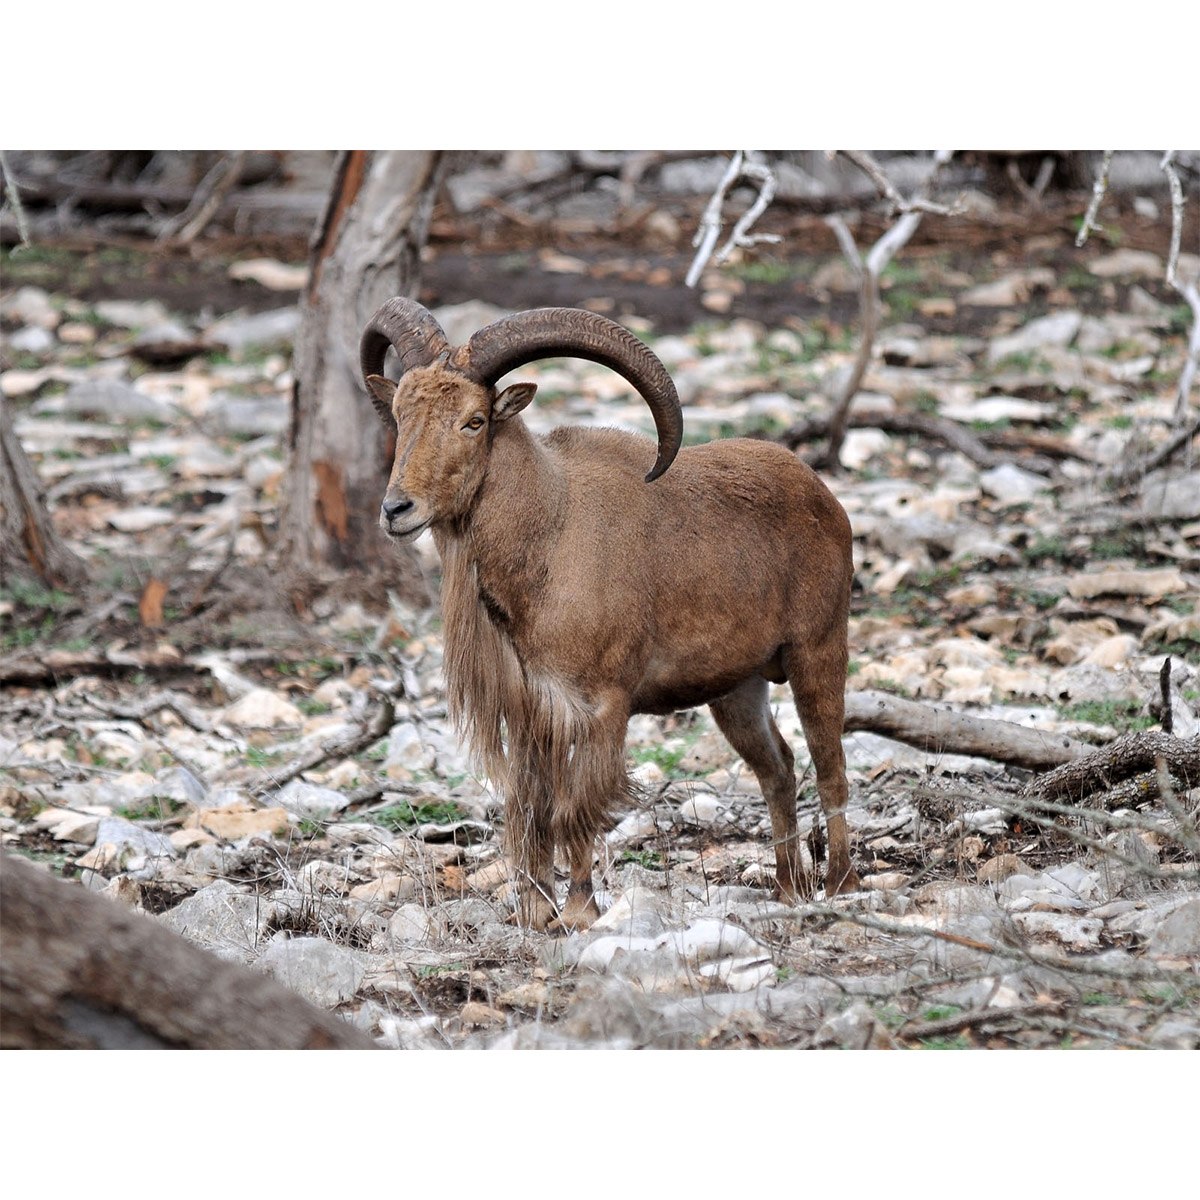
939, 730
1124, 758
80, 972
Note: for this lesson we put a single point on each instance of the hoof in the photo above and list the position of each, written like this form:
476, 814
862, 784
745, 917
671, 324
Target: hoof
847, 882
798, 894
575, 917
534, 913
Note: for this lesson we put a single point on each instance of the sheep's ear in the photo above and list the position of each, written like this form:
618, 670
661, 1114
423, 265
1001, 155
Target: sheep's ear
382, 392
512, 400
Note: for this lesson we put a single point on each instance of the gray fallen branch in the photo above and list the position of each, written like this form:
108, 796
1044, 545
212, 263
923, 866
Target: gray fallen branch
52, 666
367, 735
936, 429
1109, 851
974, 1019
1085, 965
940, 730
1127, 756
81, 972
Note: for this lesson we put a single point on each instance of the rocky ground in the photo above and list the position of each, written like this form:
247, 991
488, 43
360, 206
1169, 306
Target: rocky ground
291, 795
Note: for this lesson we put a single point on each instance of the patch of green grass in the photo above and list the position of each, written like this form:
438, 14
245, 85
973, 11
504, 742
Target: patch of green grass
402, 816
310, 827
1120, 421
991, 426
1080, 279
153, 808
312, 708
1042, 600
1129, 544
1181, 319
893, 688
650, 859
1099, 1000
26, 594
1125, 715
939, 1012
901, 303
766, 270
902, 274
926, 402
1187, 649
1023, 360
667, 759
441, 969
954, 1043
261, 759
1054, 548
891, 1016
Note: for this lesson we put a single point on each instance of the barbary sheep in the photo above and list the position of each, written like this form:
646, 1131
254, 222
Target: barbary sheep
583, 582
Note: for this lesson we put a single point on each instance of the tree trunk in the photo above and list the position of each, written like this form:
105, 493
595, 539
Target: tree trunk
367, 249
80, 972
29, 545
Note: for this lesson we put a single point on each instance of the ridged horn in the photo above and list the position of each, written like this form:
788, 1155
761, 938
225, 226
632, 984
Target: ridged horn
575, 333
411, 330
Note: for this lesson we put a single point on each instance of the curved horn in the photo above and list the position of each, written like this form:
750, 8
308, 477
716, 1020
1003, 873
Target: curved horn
575, 333
411, 330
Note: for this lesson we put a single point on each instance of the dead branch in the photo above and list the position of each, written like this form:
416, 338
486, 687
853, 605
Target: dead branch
1129, 755
943, 731
212, 192
14, 195
936, 429
1124, 475
1037, 812
974, 1019
888, 190
367, 735
710, 223
869, 271
1083, 965
82, 972
1098, 190
53, 666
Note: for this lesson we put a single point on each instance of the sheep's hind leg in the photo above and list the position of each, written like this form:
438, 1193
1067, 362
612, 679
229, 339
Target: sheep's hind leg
744, 717
818, 682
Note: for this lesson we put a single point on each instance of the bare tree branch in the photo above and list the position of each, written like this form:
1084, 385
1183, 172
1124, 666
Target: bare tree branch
889, 191
869, 272
210, 195
710, 223
1098, 190
14, 195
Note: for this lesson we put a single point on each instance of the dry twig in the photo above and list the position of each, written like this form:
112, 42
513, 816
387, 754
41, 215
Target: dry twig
710, 223
14, 195
869, 271
1098, 190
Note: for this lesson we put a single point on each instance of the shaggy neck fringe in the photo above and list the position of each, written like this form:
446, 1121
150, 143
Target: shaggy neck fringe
535, 737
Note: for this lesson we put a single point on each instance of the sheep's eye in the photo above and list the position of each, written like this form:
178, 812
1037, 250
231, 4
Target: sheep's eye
476, 422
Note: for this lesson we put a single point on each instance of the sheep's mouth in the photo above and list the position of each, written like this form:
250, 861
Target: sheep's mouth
407, 535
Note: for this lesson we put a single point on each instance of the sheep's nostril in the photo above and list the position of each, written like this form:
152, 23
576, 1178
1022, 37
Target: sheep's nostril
395, 508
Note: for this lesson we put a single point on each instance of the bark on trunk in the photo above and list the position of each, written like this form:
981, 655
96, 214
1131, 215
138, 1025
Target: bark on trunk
29, 546
80, 972
367, 248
